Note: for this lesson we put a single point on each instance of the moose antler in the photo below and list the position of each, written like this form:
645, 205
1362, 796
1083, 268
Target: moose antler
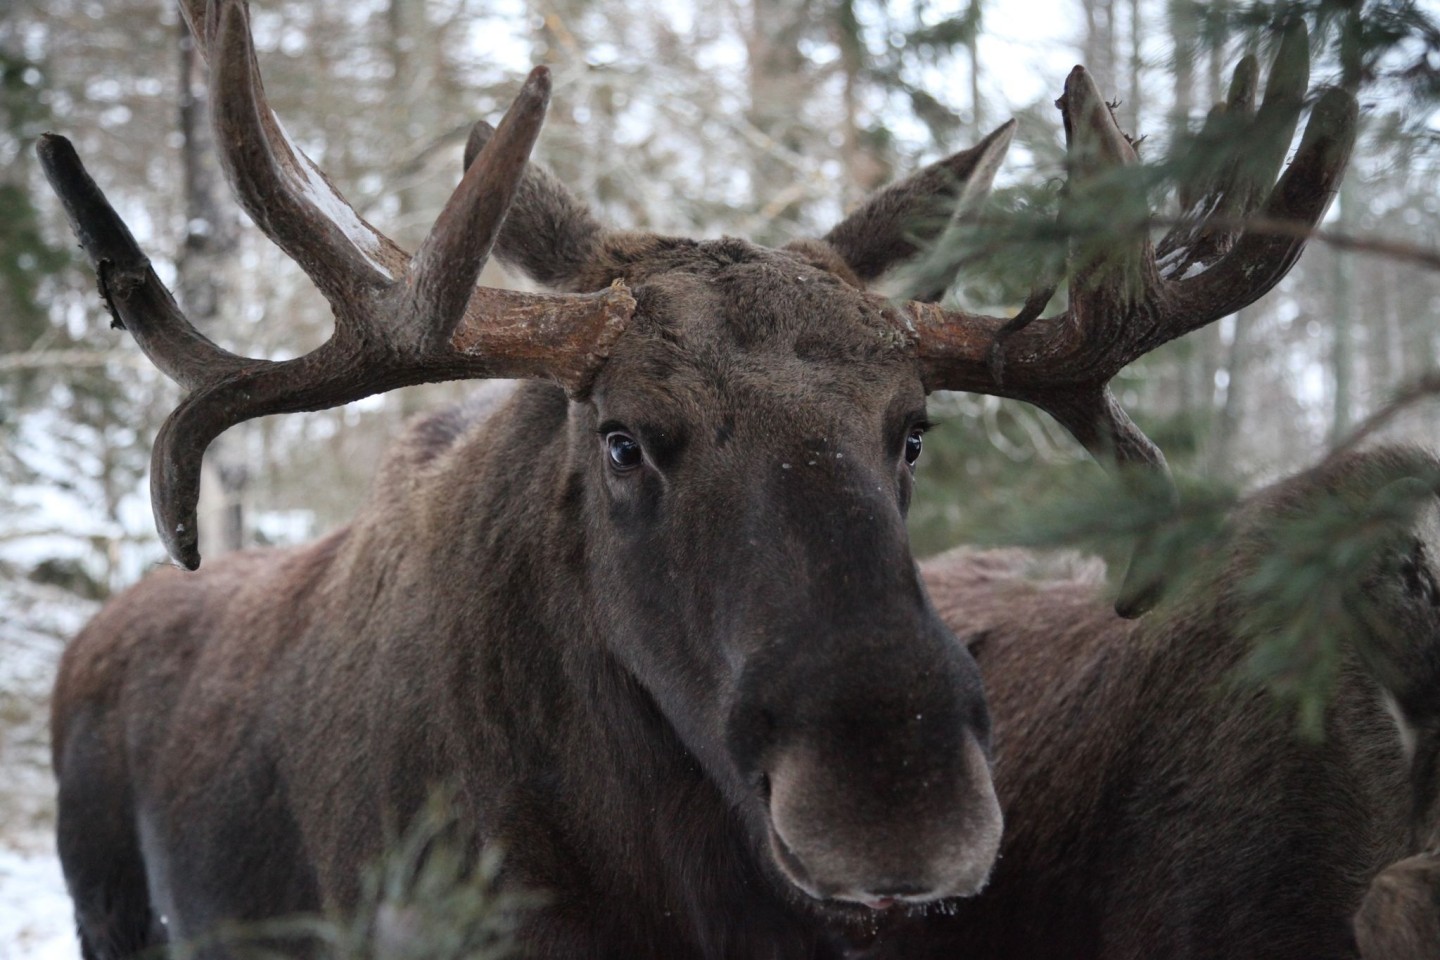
398, 320
1126, 302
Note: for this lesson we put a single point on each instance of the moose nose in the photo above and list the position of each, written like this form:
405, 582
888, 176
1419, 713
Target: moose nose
921, 837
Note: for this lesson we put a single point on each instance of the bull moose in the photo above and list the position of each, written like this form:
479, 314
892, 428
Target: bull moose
651, 616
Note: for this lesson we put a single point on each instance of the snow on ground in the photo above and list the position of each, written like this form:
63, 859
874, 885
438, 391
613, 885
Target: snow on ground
35, 918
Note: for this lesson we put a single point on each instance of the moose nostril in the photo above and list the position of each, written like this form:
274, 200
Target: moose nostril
762, 787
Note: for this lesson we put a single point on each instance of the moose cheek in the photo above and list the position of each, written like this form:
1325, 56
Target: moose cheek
904, 488
636, 500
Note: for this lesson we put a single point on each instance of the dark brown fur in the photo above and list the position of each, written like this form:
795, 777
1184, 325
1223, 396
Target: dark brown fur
1400, 917
611, 671
1154, 809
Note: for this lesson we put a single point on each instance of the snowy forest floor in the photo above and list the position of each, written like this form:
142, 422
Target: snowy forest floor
35, 622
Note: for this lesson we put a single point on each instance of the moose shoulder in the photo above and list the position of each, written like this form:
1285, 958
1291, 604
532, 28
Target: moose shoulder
653, 620
1154, 806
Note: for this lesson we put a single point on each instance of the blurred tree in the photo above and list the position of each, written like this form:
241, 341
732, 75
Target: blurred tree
72, 454
27, 259
202, 268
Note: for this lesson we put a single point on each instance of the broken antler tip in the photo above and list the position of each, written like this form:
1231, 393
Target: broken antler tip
1244, 84
56, 151
49, 141
535, 93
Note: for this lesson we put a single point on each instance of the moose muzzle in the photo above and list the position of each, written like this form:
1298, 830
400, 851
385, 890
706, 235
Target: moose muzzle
876, 828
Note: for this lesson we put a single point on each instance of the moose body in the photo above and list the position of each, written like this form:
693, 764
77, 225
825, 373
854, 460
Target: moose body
654, 622
1156, 806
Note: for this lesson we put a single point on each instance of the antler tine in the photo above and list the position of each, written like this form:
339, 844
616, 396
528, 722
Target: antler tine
280, 190
1247, 170
260, 388
1275, 121
1094, 141
140, 303
1264, 254
1106, 431
442, 276
1207, 186
928, 276
1208, 179
137, 300
1090, 342
1123, 272
1096, 419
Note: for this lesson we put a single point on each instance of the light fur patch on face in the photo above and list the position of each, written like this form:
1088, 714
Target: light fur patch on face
1427, 525
1402, 726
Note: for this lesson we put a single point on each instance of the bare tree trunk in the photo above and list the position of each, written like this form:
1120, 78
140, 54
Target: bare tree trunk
1232, 409
847, 38
1133, 96
1342, 322
972, 49
1389, 365
1220, 411
778, 92
208, 244
411, 102
1098, 46
1183, 37
411, 99
1190, 389
1218, 39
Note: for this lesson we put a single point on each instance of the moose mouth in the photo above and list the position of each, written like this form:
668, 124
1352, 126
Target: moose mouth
840, 904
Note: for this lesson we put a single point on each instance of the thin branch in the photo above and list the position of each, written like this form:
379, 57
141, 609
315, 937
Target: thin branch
1428, 257
1423, 387
37, 533
43, 359
1395, 249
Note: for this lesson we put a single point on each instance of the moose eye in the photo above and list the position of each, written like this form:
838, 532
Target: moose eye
625, 453
914, 443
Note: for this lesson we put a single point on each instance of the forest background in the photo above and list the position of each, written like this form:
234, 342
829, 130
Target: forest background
759, 118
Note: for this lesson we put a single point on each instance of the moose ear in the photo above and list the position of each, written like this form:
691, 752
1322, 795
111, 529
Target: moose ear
548, 235
897, 226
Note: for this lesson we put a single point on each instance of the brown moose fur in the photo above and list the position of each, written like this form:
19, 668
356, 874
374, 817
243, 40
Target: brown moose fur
1153, 810
1400, 917
607, 668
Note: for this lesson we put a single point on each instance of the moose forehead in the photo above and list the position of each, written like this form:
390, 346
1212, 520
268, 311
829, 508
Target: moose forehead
732, 327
